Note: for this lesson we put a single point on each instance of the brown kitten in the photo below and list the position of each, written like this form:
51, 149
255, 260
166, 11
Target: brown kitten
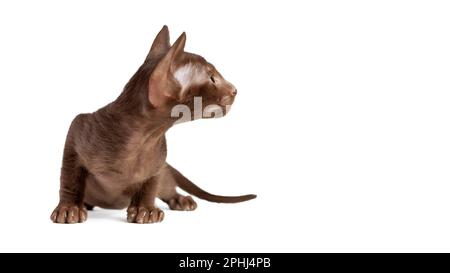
116, 156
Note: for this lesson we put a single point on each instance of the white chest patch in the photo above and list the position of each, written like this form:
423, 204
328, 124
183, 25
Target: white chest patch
188, 75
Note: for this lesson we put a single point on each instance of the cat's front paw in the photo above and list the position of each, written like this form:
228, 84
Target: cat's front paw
182, 203
143, 215
69, 214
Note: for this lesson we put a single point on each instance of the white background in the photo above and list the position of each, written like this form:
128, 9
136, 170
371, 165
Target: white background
341, 124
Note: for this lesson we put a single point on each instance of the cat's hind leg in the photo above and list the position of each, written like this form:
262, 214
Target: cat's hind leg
167, 192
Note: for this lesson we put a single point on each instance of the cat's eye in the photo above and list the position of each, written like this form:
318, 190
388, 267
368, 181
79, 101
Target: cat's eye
212, 79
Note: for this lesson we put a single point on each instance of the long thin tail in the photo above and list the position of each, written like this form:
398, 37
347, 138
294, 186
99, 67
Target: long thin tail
193, 189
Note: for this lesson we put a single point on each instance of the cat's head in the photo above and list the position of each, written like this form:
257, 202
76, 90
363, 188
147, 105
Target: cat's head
182, 81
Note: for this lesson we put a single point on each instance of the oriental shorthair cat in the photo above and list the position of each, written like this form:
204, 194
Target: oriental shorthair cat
115, 158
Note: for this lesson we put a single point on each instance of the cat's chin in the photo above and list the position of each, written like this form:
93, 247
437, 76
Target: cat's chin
215, 111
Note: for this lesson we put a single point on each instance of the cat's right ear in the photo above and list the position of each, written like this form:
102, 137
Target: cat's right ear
163, 88
161, 44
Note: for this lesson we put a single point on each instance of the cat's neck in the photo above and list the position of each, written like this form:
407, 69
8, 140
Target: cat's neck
133, 106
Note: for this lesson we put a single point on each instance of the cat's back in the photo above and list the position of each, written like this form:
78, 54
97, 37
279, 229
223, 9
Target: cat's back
97, 137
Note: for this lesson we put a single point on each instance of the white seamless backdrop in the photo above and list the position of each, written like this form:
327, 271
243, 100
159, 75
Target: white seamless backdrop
341, 124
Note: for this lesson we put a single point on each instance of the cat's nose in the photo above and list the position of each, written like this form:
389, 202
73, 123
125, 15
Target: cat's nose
234, 92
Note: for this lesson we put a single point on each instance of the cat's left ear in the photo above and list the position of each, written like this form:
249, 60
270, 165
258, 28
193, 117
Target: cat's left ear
163, 88
161, 44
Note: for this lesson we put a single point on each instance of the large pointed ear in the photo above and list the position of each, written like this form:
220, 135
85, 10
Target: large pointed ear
161, 44
163, 88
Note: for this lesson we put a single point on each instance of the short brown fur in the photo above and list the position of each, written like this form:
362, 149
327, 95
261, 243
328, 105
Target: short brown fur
116, 157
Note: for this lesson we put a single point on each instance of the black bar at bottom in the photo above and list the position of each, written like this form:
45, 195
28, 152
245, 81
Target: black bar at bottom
228, 262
